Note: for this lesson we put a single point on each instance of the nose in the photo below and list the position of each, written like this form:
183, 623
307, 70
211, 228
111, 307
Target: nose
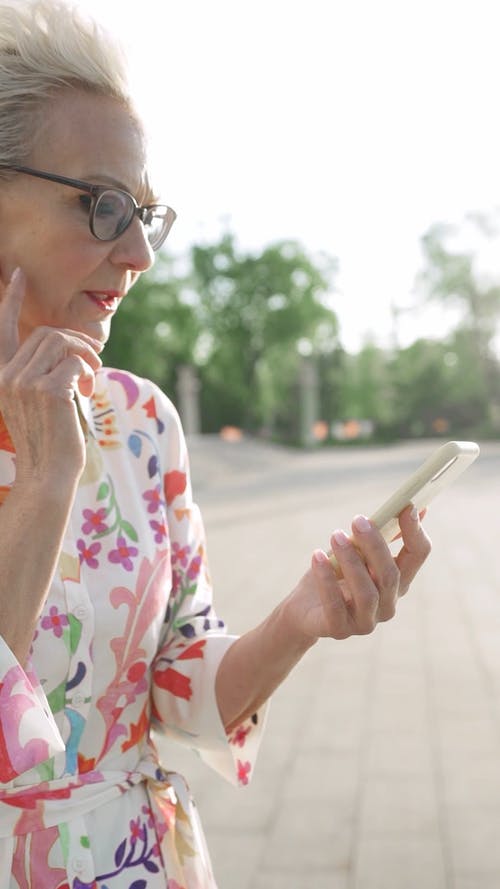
132, 249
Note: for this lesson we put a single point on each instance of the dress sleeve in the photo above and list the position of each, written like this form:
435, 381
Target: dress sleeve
28, 732
195, 641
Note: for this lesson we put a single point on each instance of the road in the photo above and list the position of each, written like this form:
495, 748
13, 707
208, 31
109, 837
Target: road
380, 767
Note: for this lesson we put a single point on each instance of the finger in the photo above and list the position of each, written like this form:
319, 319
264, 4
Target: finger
10, 311
359, 589
67, 377
381, 565
97, 345
415, 550
60, 344
334, 605
86, 385
422, 514
46, 348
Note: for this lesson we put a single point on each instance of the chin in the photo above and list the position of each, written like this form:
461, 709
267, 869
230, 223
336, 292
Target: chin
99, 331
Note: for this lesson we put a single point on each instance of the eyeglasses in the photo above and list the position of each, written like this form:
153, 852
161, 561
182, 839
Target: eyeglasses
112, 210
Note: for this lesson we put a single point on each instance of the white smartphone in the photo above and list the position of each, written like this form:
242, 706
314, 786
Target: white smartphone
437, 472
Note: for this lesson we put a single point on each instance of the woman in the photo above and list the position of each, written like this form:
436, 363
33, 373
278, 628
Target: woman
107, 630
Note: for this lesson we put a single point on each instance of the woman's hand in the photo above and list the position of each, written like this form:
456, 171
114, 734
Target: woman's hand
38, 382
321, 605
372, 581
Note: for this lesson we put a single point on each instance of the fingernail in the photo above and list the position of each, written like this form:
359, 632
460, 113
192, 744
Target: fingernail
414, 514
362, 524
320, 557
16, 274
340, 538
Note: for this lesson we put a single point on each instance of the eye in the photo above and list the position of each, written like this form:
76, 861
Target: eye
107, 207
84, 200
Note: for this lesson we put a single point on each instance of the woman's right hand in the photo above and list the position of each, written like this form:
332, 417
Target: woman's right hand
38, 382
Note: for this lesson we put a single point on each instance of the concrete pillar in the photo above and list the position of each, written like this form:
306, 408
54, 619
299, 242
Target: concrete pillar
188, 388
309, 400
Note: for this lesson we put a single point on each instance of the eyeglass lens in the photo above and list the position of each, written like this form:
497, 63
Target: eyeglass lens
113, 212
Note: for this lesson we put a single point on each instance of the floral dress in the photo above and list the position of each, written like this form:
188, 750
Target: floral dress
126, 650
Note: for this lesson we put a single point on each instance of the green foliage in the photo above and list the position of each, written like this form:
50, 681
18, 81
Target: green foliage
245, 320
156, 328
367, 387
256, 310
452, 273
239, 317
436, 389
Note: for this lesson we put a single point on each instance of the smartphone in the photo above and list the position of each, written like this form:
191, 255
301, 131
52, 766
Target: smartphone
440, 469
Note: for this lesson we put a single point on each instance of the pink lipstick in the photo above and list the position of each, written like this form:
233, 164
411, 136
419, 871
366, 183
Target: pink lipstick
105, 299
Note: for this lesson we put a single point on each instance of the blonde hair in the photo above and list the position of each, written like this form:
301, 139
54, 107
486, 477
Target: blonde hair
46, 46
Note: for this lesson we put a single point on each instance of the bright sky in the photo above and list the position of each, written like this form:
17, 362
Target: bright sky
350, 125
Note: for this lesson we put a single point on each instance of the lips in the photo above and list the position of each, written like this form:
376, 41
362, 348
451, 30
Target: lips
105, 299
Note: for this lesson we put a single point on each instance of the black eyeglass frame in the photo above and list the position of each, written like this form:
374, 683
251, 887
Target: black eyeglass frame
96, 191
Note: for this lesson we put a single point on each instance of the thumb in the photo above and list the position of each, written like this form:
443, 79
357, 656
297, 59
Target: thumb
86, 384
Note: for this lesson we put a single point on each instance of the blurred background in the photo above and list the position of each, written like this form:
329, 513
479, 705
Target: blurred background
333, 279
334, 166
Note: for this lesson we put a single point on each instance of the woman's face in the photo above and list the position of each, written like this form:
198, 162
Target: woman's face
74, 280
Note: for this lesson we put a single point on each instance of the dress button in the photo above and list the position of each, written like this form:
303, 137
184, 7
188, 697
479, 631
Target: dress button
78, 700
78, 865
80, 612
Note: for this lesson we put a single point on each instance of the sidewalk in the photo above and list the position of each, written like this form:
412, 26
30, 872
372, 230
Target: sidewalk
380, 768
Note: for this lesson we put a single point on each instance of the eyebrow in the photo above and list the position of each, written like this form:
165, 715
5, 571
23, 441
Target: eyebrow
104, 179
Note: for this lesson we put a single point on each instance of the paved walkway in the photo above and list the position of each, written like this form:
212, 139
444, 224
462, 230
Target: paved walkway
380, 768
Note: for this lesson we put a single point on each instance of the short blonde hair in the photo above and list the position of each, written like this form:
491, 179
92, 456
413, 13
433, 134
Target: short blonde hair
46, 46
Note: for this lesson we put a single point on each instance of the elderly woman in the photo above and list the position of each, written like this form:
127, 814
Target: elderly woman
108, 633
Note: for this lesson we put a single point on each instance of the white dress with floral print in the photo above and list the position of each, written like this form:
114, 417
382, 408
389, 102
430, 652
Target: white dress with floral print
127, 646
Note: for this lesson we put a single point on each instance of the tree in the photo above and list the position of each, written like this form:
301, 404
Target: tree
453, 273
366, 391
257, 310
458, 274
241, 318
157, 326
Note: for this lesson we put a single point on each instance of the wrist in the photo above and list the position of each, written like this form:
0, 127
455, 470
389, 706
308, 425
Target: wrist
292, 625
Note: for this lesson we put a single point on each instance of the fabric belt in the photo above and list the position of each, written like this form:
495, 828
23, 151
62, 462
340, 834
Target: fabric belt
24, 810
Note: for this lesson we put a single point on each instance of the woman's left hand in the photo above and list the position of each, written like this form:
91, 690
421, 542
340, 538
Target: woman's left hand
371, 584
321, 605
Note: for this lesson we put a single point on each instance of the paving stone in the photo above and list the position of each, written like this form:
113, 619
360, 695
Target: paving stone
473, 834
380, 767
477, 879
309, 835
270, 879
400, 861
408, 803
